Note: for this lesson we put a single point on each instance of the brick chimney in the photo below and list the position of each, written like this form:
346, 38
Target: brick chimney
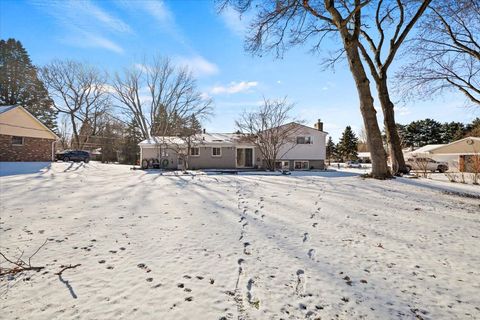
319, 125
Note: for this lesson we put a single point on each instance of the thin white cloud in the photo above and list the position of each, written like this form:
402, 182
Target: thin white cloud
204, 96
141, 67
198, 65
85, 23
234, 87
236, 23
103, 17
90, 40
160, 13
158, 10
402, 110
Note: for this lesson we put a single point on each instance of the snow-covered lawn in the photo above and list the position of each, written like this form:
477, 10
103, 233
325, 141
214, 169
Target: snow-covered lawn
323, 245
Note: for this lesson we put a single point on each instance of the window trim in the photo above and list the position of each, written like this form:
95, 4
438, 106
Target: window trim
306, 139
301, 161
194, 155
284, 164
17, 144
217, 155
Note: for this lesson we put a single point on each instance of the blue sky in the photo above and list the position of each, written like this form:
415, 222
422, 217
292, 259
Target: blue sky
117, 34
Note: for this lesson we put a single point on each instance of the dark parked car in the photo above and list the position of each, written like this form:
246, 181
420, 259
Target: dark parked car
73, 155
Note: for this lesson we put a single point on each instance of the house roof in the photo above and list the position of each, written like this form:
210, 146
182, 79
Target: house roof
207, 138
7, 108
428, 148
10, 123
465, 146
304, 126
202, 138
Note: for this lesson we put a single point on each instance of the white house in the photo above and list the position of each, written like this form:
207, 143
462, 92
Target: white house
229, 151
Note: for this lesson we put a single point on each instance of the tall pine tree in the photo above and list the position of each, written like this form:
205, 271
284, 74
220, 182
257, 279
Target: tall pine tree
331, 150
347, 146
19, 83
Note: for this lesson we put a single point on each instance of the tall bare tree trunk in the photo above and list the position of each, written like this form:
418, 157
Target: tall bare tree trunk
75, 132
393, 139
374, 137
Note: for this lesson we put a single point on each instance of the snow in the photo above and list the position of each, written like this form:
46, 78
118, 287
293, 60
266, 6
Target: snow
209, 138
16, 168
249, 246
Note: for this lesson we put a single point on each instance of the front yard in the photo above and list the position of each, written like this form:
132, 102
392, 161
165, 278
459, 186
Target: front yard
310, 245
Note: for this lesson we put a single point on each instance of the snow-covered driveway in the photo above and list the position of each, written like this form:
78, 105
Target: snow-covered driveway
313, 245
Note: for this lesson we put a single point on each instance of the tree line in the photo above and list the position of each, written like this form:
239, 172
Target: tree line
98, 111
428, 131
370, 35
413, 135
442, 53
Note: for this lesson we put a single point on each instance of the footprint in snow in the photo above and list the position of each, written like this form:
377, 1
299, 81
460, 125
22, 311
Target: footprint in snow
254, 301
301, 282
246, 248
311, 254
305, 236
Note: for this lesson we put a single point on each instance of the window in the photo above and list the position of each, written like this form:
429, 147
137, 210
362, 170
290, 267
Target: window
17, 141
282, 165
195, 151
301, 165
304, 140
216, 152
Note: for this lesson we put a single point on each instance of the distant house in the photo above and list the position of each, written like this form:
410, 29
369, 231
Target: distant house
364, 157
466, 150
23, 137
462, 154
230, 151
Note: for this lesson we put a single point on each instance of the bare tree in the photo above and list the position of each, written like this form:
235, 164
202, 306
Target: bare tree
446, 53
270, 129
79, 92
64, 133
281, 24
157, 95
379, 46
187, 136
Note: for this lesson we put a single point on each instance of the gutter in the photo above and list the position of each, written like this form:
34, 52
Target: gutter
53, 150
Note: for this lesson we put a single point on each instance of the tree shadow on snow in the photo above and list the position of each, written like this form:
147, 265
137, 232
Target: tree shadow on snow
18, 168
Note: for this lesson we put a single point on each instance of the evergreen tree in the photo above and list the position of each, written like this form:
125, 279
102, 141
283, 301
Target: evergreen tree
19, 83
129, 148
331, 150
347, 146
452, 131
422, 132
473, 129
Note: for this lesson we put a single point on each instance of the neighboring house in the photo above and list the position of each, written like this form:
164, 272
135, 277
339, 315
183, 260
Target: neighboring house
425, 152
23, 137
466, 150
463, 154
364, 157
230, 151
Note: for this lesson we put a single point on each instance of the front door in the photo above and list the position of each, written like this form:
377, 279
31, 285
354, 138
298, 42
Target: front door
180, 163
244, 157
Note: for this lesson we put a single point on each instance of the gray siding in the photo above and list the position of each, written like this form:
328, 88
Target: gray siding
154, 153
206, 161
227, 160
